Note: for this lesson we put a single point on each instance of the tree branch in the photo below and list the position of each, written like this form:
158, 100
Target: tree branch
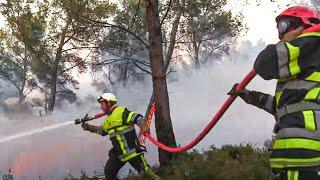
106, 24
53, 40
166, 14
122, 59
30, 90
69, 38
82, 47
212, 50
68, 69
106, 62
136, 64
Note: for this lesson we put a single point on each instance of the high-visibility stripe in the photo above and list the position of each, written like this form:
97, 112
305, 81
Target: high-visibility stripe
297, 143
125, 142
129, 156
121, 128
312, 94
292, 108
309, 120
144, 162
148, 169
315, 76
286, 162
292, 175
297, 85
278, 96
294, 53
283, 59
298, 133
121, 132
122, 145
296, 175
130, 116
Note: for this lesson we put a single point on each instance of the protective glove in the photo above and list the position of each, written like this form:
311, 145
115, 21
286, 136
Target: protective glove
242, 92
85, 126
90, 128
143, 130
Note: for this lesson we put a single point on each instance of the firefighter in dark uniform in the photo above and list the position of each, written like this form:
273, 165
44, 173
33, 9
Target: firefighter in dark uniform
295, 63
119, 125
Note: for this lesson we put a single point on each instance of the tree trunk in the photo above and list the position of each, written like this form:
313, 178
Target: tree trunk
196, 56
173, 34
196, 46
163, 123
21, 96
23, 79
53, 89
54, 72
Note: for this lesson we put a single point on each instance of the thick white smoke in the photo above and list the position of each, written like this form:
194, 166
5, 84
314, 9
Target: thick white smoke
195, 96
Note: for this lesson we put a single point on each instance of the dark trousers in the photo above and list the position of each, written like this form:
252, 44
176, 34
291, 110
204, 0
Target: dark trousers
306, 174
114, 164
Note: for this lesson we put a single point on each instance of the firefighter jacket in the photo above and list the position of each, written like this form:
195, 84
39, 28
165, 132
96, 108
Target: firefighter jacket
119, 125
296, 104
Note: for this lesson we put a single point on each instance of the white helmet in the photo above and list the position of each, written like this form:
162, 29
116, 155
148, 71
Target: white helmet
107, 97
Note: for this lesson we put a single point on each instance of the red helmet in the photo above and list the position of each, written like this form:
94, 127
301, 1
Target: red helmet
303, 13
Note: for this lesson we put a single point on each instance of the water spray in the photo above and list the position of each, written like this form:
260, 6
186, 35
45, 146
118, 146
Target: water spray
35, 131
43, 129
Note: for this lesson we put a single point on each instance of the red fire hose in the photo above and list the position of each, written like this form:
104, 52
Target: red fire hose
209, 126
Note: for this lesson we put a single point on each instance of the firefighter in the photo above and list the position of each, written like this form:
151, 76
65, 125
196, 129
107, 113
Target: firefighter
295, 62
119, 125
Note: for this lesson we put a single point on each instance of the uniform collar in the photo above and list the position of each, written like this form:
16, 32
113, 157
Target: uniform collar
112, 108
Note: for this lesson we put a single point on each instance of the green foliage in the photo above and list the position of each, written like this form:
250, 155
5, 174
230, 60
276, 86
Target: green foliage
54, 33
205, 27
228, 162
126, 54
15, 64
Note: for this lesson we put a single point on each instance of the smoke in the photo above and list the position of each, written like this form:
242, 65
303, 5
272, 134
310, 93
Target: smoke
195, 96
316, 4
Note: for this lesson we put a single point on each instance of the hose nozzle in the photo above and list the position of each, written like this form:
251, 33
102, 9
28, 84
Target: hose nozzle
77, 121
82, 120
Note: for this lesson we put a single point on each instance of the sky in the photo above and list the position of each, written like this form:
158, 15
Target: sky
194, 98
260, 18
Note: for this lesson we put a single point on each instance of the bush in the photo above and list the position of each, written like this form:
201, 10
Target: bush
225, 163
230, 162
